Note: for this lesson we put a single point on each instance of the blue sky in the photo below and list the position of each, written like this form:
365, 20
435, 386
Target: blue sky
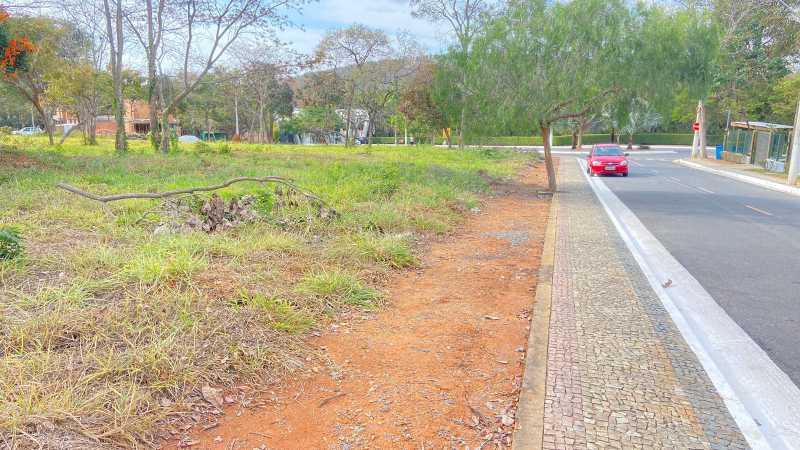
390, 16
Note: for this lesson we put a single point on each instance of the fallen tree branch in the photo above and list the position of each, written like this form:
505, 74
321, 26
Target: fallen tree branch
157, 195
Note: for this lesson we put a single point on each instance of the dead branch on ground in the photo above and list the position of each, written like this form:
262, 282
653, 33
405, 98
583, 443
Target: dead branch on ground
158, 195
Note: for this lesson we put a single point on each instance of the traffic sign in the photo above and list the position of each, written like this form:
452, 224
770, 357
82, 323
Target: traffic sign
696, 126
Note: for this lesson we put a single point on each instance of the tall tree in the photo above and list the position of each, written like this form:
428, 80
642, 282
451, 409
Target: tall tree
149, 28
567, 56
208, 30
113, 13
350, 51
465, 20
55, 48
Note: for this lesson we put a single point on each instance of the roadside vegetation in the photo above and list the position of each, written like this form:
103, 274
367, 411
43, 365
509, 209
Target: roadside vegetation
108, 327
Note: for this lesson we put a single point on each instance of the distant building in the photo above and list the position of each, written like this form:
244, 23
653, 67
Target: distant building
137, 120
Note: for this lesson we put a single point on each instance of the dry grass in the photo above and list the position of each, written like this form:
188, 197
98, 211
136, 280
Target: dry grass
108, 331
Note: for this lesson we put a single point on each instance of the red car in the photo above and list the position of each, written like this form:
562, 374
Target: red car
607, 159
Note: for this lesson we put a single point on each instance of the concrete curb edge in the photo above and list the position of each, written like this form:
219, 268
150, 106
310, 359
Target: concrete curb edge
529, 424
766, 184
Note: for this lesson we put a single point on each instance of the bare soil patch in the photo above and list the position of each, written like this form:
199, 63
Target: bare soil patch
439, 367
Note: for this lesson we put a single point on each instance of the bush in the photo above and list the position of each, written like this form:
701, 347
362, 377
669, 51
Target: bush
339, 288
10, 243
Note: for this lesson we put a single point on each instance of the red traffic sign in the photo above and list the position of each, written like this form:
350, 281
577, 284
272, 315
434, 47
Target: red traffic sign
696, 126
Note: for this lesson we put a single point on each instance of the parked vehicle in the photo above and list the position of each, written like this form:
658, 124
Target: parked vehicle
607, 159
28, 131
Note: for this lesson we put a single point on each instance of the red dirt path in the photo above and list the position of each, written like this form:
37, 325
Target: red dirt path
440, 367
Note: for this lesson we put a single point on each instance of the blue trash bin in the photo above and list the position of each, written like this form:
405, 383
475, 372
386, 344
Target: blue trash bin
719, 151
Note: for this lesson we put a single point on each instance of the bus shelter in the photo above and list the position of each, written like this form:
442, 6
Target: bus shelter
758, 143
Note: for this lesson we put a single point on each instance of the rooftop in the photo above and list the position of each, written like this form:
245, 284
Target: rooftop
761, 125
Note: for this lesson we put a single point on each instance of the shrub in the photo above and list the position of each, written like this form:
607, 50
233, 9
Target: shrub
339, 288
10, 243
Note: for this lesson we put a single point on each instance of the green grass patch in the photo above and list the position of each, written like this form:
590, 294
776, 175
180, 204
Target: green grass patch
339, 288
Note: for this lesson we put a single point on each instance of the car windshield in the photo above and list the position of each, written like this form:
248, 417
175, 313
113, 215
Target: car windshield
608, 151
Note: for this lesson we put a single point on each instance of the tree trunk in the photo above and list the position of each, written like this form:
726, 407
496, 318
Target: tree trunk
395, 135
152, 79
369, 132
630, 141
270, 127
236, 137
347, 125
260, 121
116, 41
574, 138
165, 132
461, 127
579, 139
548, 159
47, 119
91, 130
613, 135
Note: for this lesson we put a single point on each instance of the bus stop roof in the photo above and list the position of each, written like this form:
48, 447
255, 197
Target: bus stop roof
761, 126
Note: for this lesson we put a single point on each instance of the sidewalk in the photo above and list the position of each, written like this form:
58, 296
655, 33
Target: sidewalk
619, 373
745, 173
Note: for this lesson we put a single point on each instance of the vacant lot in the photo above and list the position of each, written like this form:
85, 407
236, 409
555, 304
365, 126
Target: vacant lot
108, 324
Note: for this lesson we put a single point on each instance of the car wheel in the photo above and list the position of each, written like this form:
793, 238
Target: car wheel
625, 174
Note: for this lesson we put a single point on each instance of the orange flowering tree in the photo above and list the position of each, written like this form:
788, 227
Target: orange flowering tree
12, 51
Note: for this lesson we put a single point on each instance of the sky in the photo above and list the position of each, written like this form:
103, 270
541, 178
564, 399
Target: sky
391, 16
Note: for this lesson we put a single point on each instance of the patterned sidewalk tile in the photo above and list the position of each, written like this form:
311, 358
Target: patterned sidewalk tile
619, 373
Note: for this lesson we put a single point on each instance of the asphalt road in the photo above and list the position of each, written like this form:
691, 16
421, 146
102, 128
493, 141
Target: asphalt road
741, 242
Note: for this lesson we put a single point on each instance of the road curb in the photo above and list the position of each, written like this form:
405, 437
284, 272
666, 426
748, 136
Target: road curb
766, 184
529, 426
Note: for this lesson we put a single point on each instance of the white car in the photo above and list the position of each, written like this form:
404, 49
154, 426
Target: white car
28, 131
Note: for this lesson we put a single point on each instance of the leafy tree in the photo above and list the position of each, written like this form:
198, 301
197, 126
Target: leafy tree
783, 99
465, 19
272, 95
319, 121
84, 91
547, 62
640, 118
219, 26
13, 51
56, 47
417, 103
322, 88
350, 51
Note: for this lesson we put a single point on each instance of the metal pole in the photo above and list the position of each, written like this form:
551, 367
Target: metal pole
794, 163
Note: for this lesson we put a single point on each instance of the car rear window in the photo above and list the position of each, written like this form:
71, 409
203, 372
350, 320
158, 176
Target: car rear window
608, 151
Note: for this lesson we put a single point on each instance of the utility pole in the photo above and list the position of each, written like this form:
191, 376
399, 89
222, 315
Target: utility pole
699, 141
794, 162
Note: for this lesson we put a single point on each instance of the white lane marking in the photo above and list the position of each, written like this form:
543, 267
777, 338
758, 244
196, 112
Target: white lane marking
761, 398
698, 188
758, 210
